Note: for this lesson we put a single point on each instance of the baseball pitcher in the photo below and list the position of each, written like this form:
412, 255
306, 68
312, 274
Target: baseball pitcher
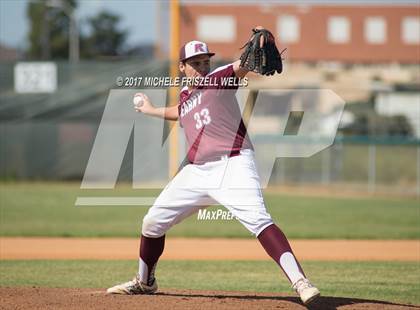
221, 167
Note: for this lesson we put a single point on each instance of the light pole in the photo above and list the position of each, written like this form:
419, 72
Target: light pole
73, 27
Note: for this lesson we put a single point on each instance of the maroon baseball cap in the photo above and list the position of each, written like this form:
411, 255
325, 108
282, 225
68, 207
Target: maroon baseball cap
193, 48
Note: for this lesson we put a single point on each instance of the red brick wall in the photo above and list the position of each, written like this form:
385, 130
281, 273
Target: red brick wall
313, 44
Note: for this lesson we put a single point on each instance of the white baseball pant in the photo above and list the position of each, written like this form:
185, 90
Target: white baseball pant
232, 182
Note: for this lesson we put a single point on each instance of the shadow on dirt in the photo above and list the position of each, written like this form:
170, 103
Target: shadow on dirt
322, 303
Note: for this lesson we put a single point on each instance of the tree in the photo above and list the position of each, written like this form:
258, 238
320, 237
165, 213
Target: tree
105, 38
49, 30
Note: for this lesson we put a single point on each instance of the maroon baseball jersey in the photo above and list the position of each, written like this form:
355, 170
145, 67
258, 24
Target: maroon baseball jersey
211, 118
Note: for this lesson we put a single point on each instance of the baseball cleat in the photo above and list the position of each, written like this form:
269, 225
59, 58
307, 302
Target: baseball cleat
306, 290
133, 287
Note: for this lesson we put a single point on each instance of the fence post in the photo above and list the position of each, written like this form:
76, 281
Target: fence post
372, 168
281, 165
418, 172
326, 166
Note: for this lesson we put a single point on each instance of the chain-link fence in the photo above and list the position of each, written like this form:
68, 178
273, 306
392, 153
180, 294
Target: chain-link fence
42, 150
361, 163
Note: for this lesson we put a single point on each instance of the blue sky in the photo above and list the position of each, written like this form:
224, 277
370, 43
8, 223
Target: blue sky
139, 17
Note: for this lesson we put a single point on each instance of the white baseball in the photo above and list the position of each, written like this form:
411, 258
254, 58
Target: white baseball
138, 101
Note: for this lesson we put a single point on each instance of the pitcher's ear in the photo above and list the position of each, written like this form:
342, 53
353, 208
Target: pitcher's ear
182, 66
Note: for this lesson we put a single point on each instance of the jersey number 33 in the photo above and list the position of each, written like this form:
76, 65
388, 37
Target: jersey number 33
202, 118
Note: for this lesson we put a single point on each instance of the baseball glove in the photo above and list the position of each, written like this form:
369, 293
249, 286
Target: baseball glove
261, 54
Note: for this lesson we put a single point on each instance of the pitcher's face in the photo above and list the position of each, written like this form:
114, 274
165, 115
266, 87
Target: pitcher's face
197, 66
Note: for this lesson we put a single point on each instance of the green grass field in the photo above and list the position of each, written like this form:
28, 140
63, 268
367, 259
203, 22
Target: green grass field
365, 280
47, 209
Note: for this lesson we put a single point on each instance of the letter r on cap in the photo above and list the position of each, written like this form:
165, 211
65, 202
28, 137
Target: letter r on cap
198, 48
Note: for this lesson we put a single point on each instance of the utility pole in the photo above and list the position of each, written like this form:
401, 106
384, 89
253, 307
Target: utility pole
45, 36
73, 27
173, 91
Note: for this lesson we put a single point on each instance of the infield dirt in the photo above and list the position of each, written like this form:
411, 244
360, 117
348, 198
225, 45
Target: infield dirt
59, 298
207, 249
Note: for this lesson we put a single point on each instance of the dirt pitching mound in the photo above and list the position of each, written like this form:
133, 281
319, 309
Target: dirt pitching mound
63, 298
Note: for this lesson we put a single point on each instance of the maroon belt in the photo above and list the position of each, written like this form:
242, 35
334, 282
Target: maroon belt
233, 153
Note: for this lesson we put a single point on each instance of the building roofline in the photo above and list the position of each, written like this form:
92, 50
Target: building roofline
385, 3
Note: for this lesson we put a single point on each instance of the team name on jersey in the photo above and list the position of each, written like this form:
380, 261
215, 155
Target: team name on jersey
190, 104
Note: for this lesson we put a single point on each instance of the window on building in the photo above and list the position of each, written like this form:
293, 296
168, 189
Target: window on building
288, 29
216, 28
375, 30
338, 29
410, 30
